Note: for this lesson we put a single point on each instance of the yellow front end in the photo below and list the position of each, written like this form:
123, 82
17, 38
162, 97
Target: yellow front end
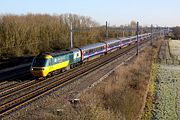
40, 71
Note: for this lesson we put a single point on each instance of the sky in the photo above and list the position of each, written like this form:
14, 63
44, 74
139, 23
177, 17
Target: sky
116, 12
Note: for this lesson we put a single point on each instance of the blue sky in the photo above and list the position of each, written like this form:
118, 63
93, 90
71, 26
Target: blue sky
116, 12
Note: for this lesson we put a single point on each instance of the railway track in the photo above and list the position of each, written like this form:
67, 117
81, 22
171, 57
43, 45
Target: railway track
32, 90
13, 62
15, 73
2, 83
7, 85
12, 78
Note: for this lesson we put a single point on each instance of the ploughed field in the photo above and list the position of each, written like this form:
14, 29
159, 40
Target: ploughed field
167, 93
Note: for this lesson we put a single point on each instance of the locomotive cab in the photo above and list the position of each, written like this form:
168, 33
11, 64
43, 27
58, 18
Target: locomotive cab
40, 65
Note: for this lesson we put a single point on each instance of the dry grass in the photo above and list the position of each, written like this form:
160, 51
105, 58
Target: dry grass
121, 95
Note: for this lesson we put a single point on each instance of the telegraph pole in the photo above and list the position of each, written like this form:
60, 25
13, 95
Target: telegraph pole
123, 31
137, 33
71, 40
106, 30
163, 33
151, 34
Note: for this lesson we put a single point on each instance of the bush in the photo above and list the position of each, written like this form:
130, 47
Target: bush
123, 92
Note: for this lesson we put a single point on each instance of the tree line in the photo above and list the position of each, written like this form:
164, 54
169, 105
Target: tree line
33, 33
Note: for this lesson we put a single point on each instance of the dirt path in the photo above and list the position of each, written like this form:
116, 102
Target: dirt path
167, 104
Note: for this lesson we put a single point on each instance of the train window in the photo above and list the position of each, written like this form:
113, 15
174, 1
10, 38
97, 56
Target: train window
58, 59
124, 41
40, 62
91, 51
55, 60
50, 62
99, 49
64, 58
86, 52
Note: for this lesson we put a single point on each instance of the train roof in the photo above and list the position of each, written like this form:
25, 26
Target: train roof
144, 34
132, 37
124, 39
75, 50
91, 46
112, 41
60, 52
53, 54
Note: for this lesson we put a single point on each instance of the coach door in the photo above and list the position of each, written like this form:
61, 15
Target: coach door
50, 65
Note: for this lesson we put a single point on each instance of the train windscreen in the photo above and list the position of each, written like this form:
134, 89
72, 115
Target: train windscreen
40, 62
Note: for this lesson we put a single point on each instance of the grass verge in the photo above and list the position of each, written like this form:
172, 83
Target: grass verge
149, 105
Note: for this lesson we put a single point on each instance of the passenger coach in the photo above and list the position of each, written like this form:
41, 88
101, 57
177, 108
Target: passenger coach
112, 45
125, 42
89, 52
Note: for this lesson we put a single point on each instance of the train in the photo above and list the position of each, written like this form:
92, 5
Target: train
50, 63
